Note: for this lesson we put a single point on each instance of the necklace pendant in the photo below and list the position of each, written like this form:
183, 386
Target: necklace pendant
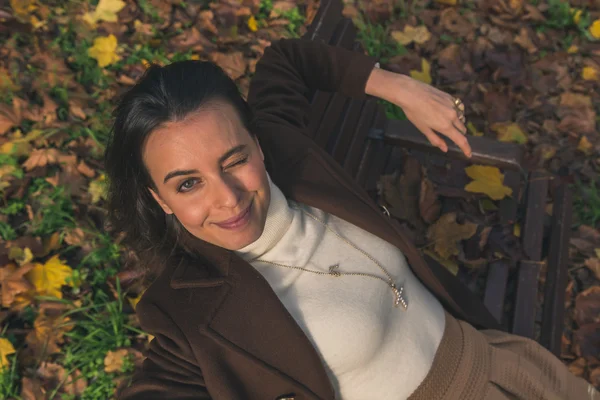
333, 270
399, 300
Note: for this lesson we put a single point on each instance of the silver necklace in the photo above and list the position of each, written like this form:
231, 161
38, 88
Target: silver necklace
334, 272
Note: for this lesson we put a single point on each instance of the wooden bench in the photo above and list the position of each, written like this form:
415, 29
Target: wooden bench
368, 144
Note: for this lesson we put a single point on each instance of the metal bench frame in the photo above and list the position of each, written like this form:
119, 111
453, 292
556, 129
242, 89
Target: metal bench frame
367, 144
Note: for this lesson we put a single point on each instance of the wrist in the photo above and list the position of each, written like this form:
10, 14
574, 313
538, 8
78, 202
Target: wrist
389, 86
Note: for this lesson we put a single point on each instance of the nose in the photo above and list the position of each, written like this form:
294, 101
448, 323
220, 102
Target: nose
226, 192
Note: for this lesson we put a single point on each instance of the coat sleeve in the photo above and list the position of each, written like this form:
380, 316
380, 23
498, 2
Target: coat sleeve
290, 68
169, 370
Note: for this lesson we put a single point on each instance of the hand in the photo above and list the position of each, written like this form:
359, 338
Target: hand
429, 109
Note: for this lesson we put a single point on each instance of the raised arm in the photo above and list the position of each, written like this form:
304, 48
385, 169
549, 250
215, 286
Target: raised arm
290, 68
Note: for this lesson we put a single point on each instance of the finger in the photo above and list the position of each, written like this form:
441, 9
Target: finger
458, 135
433, 138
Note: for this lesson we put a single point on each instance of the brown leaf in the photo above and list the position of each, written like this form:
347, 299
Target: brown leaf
587, 340
49, 110
594, 265
429, 203
76, 109
206, 22
74, 237
233, 63
587, 306
9, 117
190, 39
85, 169
47, 334
576, 113
41, 158
13, 282
577, 367
31, 389
524, 40
54, 375
446, 233
455, 23
114, 360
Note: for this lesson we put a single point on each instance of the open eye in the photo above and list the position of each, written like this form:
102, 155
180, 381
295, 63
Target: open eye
187, 185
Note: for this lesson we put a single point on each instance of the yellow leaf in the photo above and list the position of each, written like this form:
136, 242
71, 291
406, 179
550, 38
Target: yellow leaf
21, 256
576, 15
509, 132
447, 2
105, 11
424, 75
473, 130
595, 29
6, 348
135, 300
517, 230
104, 50
584, 145
98, 188
419, 35
252, 24
487, 180
572, 49
590, 74
49, 277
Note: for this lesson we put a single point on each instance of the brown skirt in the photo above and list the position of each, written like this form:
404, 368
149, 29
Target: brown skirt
495, 365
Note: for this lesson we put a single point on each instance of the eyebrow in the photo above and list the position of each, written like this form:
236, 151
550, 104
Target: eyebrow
225, 156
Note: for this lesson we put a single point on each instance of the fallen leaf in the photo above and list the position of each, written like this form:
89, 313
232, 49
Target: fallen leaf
76, 109
424, 75
48, 332
54, 376
587, 306
487, 180
585, 146
572, 49
586, 341
446, 233
85, 169
19, 255
577, 367
419, 35
6, 348
595, 29
41, 158
13, 281
97, 189
429, 203
590, 74
252, 24
48, 278
594, 265
576, 113
524, 40
106, 10
509, 132
234, 64
104, 50
447, 2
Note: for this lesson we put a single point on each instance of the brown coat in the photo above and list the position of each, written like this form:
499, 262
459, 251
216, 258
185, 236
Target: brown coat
220, 331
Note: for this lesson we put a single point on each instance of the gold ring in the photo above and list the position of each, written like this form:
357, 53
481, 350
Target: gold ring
458, 104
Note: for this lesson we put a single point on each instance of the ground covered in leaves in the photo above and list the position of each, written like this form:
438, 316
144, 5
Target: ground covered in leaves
528, 72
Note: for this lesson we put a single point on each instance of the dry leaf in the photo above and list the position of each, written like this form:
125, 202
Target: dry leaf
48, 278
13, 281
577, 113
233, 63
585, 146
76, 109
447, 2
587, 306
450, 265
252, 24
41, 158
85, 169
419, 35
446, 233
472, 130
47, 334
429, 203
104, 50
54, 375
487, 180
509, 132
424, 75
6, 348
97, 189
106, 10
594, 265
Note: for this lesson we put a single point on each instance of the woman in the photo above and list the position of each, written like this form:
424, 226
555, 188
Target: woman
274, 275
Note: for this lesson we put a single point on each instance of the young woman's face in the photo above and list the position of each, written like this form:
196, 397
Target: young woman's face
209, 172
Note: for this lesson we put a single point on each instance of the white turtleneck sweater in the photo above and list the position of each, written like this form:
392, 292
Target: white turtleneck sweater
370, 349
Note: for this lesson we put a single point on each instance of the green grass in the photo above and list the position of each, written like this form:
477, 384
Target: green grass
586, 203
560, 16
54, 208
9, 380
98, 327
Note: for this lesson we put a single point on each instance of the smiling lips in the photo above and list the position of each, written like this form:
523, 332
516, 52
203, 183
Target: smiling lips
237, 221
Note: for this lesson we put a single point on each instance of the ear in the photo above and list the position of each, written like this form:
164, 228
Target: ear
259, 148
160, 202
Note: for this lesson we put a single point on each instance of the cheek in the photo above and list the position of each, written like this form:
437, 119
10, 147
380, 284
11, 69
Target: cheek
192, 212
255, 177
